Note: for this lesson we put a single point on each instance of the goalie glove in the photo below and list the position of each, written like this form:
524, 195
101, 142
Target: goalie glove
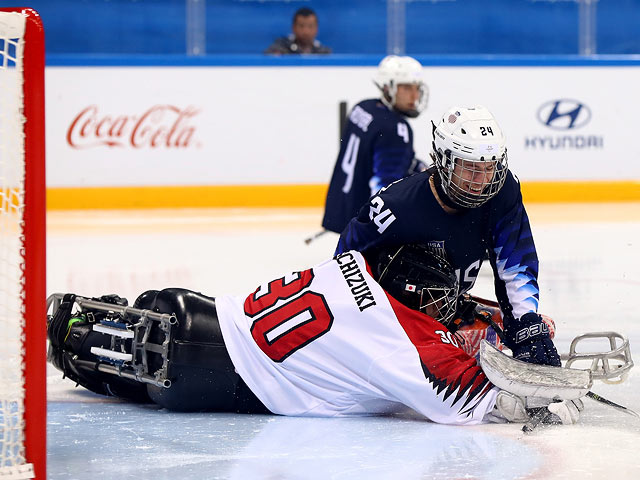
514, 409
529, 339
567, 411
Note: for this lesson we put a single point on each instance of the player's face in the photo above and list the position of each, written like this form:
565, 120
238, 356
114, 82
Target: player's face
432, 310
471, 176
407, 96
305, 29
434, 303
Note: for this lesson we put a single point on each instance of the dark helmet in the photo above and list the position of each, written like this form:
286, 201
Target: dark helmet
419, 278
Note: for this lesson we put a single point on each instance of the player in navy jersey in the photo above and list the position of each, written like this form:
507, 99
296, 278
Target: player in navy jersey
351, 336
469, 205
376, 146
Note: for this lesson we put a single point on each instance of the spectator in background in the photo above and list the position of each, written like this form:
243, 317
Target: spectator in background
303, 36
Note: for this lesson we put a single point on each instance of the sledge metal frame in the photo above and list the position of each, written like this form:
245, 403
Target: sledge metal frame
124, 323
601, 368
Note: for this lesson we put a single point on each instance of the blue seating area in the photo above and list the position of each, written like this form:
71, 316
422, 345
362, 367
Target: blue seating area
440, 27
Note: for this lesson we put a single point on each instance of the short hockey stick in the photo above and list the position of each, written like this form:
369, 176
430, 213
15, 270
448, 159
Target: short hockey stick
598, 398
315, 236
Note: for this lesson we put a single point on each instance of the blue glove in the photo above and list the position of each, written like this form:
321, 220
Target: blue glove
528, 338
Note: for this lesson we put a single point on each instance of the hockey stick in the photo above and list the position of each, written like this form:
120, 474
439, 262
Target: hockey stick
539, 417
598, 398
315, 236
342, 120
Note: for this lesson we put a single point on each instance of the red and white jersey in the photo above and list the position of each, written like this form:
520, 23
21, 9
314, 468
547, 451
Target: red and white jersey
329, 341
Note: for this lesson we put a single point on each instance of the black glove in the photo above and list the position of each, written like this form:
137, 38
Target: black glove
528, 338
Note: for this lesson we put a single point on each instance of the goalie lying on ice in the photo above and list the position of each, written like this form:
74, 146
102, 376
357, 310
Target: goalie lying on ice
348, 337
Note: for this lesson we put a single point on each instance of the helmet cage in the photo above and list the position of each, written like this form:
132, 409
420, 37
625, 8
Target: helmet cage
471, 182
438, 302
423, 281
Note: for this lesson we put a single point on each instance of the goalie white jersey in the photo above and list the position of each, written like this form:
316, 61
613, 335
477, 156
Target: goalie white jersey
329, 341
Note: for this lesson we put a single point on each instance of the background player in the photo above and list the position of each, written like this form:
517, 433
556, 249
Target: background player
327, 341
376, 147
469, 205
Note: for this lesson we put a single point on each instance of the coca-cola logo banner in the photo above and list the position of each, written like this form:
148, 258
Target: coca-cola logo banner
159, 126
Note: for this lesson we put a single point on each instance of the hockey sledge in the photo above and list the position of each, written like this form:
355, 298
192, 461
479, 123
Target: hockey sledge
129, 329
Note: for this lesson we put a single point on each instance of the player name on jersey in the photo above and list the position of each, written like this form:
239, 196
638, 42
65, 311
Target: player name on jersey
361, 118
355, 281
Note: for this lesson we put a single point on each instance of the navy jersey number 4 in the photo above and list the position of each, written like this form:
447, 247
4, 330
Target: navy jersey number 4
376, 149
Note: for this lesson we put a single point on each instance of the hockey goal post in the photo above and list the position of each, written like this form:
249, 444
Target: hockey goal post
22, 246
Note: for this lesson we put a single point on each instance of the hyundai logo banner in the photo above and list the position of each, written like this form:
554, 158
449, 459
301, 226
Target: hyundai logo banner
564, 114
564, 117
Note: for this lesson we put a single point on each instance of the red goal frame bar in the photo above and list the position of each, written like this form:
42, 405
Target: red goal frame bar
35, 402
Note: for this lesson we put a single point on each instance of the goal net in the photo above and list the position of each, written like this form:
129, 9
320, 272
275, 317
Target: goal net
22, 246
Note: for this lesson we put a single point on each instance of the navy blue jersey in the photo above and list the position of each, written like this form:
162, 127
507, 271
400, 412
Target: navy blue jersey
408, 212
376, 149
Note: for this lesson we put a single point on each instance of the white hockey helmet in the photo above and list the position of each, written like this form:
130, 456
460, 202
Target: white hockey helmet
395, 70
470, 154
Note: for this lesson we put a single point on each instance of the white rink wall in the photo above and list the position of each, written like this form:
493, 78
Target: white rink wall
245, 125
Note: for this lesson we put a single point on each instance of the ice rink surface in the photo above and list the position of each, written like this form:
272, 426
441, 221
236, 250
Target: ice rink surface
589, 280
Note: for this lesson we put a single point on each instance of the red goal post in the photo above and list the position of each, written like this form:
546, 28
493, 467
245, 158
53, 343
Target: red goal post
22, 246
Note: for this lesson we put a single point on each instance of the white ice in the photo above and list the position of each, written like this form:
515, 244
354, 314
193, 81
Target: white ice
589, 279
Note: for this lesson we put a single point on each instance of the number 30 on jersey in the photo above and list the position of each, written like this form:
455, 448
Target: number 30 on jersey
284, 319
